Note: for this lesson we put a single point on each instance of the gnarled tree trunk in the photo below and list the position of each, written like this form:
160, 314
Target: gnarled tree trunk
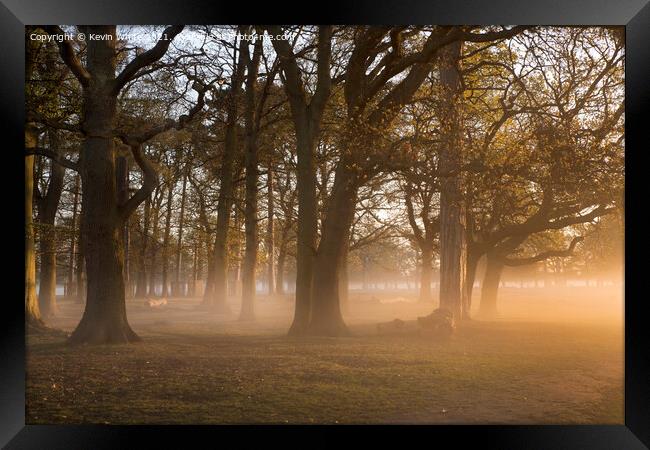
453, 249
326, 318
307, 117
104, 319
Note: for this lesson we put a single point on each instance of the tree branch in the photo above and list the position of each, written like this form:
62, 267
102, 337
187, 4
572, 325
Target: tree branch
293, 81
182, 121
35, 116
417, 233
150, 175
511, 262
324, 82
149, 57
68, 55
150, 180
54, 156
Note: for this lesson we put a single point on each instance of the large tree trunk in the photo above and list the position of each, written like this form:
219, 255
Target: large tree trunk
307, 118
453, 250
104, 319
307, 228
165, 249
270, 232
490, 286
48, 240
32, 310
426, 270
326, 318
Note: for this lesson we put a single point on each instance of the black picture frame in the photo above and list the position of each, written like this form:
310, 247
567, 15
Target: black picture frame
633, 14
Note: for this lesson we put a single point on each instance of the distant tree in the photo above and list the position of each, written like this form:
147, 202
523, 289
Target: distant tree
216, 289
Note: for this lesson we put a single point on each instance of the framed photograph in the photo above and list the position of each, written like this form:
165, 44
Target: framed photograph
407, 219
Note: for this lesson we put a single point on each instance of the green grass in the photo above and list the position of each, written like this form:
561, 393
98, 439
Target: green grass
203, 373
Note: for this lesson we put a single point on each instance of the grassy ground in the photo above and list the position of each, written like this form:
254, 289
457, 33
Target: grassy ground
196, 368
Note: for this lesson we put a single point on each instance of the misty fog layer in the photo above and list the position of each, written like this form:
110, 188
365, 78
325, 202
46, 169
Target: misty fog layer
314, 224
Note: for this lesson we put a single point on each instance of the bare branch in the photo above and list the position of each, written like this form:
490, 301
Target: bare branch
150, 180
169, 124
54, 156
68, 55
149, 57
512, 262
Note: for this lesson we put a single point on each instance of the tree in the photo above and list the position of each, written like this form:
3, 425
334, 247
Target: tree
104, 319
32, 310
425, 237
270, 231
176, 288
166, 240
287, 194
372, 104
307, 114
453, 248
548, 160
251, 157
382, 151
216, 290
47, 207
